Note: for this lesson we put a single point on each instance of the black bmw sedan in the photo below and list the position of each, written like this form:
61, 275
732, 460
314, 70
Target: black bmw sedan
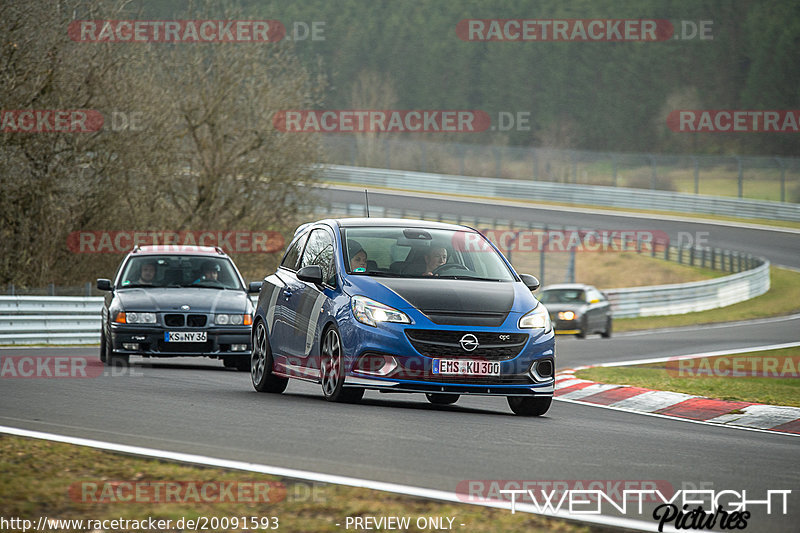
169, 301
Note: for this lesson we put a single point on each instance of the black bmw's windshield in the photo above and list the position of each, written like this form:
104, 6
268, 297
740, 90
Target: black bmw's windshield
172, 271
414, 252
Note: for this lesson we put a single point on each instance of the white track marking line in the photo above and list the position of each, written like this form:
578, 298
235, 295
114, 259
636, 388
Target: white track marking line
733, 351
720, 325
327, 478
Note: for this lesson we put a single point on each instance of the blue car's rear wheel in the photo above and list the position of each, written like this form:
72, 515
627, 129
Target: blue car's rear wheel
529, 405
261, 363
332, 371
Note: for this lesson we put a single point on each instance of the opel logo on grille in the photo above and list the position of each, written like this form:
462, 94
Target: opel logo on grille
469, 342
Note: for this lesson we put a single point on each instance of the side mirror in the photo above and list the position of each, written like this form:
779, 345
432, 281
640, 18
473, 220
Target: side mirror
311, 274
104, 285
530, 281
254, 287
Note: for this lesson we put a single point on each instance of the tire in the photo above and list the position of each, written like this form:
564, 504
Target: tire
438, 398
114, 359
529, 405
239, 363
261, 362
332, 372
102, 347
584, 327
607, 333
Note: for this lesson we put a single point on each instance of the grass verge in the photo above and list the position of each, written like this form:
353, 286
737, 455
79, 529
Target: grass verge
38, 476
783, 298
669, 377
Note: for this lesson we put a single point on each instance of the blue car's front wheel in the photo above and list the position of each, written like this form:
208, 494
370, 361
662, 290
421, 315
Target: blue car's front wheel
332, 370
529, 405
261, 363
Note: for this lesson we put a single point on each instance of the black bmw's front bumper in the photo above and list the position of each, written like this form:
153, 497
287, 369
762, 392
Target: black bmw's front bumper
151, 341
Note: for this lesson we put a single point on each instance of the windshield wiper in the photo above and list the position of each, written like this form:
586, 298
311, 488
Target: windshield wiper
474, 278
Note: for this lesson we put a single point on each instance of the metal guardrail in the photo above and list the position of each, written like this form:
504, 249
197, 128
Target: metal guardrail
76, 320
563, 193
689, 297
50, 319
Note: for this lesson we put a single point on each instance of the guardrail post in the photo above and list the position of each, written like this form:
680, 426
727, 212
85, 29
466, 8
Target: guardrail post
574, 160
713, 259
680, 255
387, 149
11, 289
741, 176
497, 162
542, 257
614, 169
535, 165
783, 178
51, 289
739, 260
691, 256
654, 176
88, 289
696, 175
703, 262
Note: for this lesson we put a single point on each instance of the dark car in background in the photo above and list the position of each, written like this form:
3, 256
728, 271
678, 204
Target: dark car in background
577, 309
171, 301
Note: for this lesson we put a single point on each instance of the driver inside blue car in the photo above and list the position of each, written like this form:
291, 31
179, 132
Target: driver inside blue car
435, 258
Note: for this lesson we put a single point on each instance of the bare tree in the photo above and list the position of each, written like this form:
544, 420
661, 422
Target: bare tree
203, 155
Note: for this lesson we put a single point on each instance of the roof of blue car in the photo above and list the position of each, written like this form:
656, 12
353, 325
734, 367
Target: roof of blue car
395, 222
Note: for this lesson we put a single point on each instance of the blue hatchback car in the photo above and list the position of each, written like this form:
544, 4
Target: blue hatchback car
402, 306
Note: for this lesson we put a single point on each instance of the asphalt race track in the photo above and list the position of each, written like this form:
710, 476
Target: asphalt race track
196, 406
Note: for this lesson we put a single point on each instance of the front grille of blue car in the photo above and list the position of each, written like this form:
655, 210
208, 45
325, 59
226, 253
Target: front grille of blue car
491, 346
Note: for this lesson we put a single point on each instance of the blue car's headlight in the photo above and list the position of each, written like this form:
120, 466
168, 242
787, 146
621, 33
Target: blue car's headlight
370, 312
539, 318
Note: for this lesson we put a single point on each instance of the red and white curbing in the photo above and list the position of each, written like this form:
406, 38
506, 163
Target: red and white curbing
678, 405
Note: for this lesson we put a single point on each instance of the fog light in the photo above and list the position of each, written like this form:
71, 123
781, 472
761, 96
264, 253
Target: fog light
238, 347
375, 364
130, 345
542, 370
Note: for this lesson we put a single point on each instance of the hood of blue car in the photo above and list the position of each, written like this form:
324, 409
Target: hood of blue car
446, 301
163, 300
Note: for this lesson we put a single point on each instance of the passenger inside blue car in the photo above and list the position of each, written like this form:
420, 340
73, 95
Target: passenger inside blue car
358, 256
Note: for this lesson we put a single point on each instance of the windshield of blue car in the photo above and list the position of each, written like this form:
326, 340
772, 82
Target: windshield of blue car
418, 252
562, 296
171, 271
